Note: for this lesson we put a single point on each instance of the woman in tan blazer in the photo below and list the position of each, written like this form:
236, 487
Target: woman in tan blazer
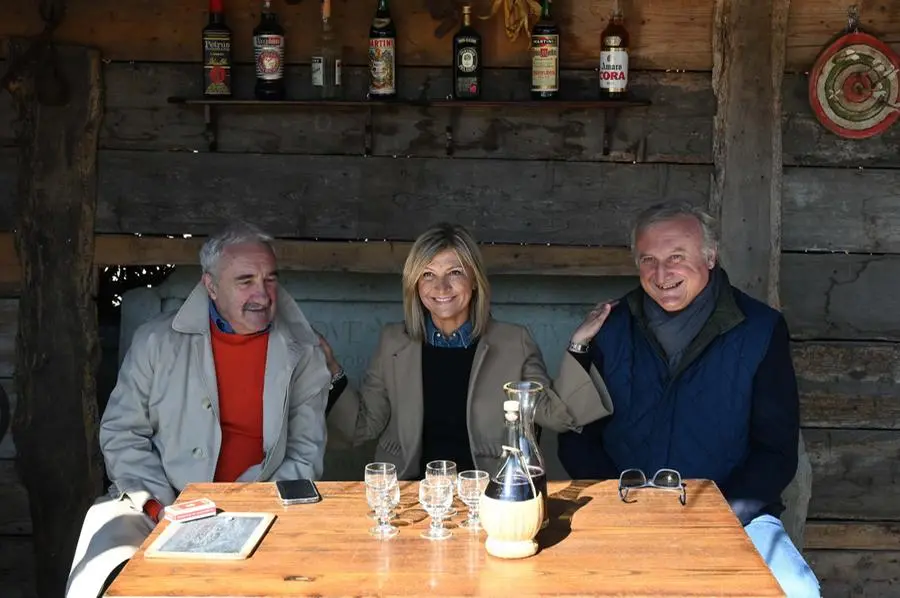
434, 388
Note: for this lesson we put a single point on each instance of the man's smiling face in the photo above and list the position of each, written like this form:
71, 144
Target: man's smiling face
674, 265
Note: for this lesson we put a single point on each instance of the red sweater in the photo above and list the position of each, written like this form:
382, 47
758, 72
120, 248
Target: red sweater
240, 375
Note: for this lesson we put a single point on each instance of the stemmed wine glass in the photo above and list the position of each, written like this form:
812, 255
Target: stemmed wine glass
383, 495
436, 495
446, 470
470, 486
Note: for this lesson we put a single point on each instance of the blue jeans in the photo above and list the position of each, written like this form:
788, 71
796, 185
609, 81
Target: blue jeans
784, 560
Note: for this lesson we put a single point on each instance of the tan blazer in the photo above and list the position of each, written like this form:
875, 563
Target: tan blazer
389, 403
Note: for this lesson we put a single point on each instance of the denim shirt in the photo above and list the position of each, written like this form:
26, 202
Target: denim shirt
221, 323
461, 338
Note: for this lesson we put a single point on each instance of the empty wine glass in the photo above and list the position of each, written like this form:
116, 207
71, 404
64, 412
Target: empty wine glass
383, 495
436, 495
443, 469
470, 486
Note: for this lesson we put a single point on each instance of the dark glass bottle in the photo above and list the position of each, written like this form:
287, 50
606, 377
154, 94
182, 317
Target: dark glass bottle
467, 60
614, 58
382, 54
545, 56
216, 53
268, 52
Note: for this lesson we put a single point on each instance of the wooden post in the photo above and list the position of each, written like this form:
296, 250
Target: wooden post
748, 65
57, 347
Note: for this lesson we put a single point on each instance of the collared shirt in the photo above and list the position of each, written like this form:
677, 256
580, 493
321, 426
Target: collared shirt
461, 338
221, 323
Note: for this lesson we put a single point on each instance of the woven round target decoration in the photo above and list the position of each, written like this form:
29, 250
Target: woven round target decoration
854, 86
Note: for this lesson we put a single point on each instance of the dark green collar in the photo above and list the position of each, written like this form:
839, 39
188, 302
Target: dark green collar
724, 317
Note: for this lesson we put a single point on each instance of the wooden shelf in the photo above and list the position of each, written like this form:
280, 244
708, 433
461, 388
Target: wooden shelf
212, 106
437, 103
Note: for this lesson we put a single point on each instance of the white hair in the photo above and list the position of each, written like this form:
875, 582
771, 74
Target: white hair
236, 234
664, 212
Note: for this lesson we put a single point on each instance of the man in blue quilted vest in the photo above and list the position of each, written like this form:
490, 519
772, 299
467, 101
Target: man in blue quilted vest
701, 380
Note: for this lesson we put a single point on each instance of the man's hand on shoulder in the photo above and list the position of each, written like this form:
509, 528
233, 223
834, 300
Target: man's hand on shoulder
591, 325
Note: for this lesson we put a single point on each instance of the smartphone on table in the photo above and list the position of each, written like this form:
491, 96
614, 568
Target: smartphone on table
297, 492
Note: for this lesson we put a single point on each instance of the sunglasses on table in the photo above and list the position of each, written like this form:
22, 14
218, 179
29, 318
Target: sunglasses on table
664, 479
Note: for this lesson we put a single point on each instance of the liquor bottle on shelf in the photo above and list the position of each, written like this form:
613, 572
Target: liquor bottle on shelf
216, 53
326, 59
545, 56
614, 57
382, 54
467, 55
268, 52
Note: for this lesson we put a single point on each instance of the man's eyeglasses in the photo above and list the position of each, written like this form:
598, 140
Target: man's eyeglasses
664, 479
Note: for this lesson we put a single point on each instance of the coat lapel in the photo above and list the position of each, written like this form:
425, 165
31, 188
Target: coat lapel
282, 356
407, 381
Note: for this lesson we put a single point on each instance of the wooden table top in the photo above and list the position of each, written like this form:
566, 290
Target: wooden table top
595, 545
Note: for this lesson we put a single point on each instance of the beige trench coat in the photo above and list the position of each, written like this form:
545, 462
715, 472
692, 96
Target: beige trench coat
388, 405
161, 431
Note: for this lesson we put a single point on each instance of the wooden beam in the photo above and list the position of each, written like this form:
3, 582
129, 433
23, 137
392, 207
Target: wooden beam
57, 349
857, 573
842, 209
848, 384
841, 297
374, 257
748, 65
852, 535
345, 197
854, 474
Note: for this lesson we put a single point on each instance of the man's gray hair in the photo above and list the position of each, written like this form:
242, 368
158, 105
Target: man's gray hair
665, 212
236, 234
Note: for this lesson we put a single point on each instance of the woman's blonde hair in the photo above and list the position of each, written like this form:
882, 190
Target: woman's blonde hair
430, 243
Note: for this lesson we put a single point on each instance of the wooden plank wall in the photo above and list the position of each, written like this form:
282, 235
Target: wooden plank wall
524, 175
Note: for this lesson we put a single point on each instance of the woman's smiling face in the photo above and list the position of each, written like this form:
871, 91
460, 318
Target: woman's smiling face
445, 288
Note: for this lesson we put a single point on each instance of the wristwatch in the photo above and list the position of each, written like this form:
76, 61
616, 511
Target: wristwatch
578, 347
336, 377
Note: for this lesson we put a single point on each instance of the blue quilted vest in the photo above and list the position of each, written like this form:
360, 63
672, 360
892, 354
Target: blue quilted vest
695, 420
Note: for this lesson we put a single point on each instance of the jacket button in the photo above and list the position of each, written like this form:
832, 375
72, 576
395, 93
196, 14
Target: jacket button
207, 404
198, 452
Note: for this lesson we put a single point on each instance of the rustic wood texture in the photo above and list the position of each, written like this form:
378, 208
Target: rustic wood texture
17, 567
15, 518
664, 35
384, 198
746, 188
677, 127
56, 347
674, 128
712, 555
829, 535
835, 296
849, 385
340, 256
9, 322
808, 143
842, 209
7, 447
856, 574
854, 473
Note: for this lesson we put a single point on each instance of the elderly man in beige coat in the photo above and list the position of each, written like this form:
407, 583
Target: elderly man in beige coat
226, 389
